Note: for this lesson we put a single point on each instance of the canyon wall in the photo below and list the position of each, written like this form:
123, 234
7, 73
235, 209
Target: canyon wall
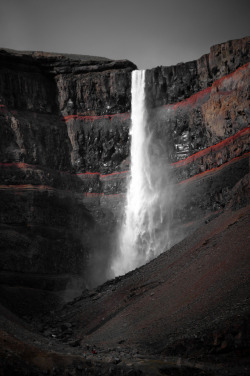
64, 147
201, 127
47, 229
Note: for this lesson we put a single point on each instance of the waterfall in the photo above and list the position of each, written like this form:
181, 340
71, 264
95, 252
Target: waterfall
140, 239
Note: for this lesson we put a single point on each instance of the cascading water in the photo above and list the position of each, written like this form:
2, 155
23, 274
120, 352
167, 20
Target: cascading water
140, 237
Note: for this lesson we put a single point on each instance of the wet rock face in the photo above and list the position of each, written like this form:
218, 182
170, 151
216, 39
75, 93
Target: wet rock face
199, 118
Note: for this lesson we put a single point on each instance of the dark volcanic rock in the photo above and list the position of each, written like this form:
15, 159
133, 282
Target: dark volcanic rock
175, 83
99, 143
46, 228
64, 154
66, 84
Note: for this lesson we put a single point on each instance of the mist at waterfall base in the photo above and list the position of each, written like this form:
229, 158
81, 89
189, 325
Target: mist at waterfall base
101, 245
145, 231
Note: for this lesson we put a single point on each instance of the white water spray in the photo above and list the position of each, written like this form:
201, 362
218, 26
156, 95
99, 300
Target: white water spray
141, 236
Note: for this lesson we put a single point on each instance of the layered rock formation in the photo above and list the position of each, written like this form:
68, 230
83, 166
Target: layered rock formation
47, 231
206, 137
176, 83
64, 140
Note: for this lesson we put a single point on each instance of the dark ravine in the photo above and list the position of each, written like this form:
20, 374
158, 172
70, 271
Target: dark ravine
64, 166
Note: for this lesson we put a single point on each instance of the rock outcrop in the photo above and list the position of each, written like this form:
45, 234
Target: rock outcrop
64, 154
174, 84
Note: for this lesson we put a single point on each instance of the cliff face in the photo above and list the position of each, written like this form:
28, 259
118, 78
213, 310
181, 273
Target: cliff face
47, 231
66, 84
200, 124
173, 84
64, 147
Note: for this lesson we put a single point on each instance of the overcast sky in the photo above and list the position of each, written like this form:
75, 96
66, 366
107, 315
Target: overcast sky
147, 32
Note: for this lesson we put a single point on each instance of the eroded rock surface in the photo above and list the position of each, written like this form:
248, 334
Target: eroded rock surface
64, 149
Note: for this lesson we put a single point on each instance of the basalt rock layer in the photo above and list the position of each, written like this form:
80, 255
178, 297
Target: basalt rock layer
47, 230
173, 84
64, 149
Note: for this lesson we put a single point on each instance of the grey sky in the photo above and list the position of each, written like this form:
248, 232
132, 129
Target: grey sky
147, 32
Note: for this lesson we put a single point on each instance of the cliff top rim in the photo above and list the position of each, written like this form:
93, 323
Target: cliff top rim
91, 59
211, 50
60, 55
